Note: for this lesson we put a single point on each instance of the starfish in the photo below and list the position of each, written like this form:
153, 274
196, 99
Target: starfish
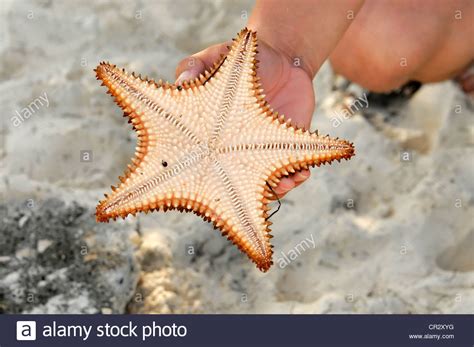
213, 146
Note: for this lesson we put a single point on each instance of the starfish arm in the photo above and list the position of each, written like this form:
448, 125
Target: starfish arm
235, 196
146, 101
175, 185
282, 148
231, 78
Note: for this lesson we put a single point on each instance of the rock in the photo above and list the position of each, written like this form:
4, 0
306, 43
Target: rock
163, 288
106, 310
86, 265
43, 245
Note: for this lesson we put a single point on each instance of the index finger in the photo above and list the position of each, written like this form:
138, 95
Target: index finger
197, 63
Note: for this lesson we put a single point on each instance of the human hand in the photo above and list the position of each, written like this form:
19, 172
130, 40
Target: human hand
288, 89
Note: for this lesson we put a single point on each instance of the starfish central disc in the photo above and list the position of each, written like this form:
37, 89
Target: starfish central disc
213, 146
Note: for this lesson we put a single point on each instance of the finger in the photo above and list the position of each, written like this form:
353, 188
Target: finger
298, 178
284, 186
192, 66
290, 182
301, 176
189, 68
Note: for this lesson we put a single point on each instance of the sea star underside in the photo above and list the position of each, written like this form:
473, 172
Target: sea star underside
212, 146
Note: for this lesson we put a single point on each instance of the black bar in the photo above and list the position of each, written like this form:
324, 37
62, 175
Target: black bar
245, 330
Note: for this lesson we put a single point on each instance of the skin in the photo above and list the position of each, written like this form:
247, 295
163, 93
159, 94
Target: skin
379, 44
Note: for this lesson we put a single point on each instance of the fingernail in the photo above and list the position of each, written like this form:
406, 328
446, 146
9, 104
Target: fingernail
301, 175
305, 173
185, 75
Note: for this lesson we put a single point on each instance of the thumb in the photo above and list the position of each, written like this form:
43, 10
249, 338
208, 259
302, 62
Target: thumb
192, 66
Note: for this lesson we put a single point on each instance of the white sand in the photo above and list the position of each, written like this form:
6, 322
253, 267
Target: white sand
405, 246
